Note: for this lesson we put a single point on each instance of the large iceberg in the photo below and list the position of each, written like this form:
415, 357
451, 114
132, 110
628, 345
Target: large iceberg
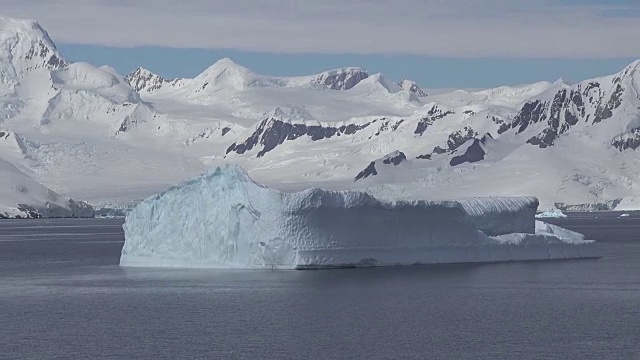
223, 219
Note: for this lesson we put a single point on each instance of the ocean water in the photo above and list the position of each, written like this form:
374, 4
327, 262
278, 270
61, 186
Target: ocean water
62, 295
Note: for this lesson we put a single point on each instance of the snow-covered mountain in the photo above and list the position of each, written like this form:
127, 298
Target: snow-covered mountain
23, 197
25, 47
225, 75
413, 87
91, 133
39, 87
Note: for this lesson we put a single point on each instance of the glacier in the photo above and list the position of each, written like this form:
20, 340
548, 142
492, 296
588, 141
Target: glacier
224, 219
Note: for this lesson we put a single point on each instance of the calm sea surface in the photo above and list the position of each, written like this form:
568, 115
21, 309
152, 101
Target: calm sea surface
62, 295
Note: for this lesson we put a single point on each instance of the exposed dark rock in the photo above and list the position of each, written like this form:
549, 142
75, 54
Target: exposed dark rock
474, 152
503, 127
630, 140
55, 62
435, 113
225, 130
387, 124
535, 141
144, 80
438, 150
126, 124
394, 158
531, 112
567, 108
368, 171
567, 103
272, 132
42, 51
605, 111
460, 137
423, 124
424, 157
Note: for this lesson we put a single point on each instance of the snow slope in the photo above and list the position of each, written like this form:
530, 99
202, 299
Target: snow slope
224, 219
22, 196
91, 133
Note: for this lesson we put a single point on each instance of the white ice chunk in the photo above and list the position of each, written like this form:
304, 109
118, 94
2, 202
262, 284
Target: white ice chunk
223, 219
551, 213
554, 230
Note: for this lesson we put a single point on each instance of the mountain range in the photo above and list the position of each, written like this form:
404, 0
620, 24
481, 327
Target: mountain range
112, 139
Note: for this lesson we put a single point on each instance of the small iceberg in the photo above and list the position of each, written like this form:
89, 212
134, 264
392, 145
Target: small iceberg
551, 214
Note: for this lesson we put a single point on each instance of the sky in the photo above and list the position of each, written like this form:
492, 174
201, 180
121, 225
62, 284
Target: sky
438, 43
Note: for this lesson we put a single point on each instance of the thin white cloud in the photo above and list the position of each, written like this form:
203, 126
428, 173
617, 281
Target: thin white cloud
449, 28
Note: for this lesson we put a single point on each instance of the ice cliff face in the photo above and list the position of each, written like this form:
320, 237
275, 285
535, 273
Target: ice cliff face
224, 219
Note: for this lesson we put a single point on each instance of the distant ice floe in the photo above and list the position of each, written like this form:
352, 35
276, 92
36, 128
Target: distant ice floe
223, 219
551, 213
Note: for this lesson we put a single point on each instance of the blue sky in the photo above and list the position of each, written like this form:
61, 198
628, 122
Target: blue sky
429, 72
438, 43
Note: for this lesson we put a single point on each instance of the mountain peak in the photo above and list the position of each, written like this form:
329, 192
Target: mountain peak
342, 78
225, 73
25, 46
412, 86
634, 65
630, 69
560, 81
140, 71
277, 114
225, 64
12, 24
142, 79
379, 80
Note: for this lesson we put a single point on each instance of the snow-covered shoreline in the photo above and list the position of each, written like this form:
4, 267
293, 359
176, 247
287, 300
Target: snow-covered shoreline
22, 197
